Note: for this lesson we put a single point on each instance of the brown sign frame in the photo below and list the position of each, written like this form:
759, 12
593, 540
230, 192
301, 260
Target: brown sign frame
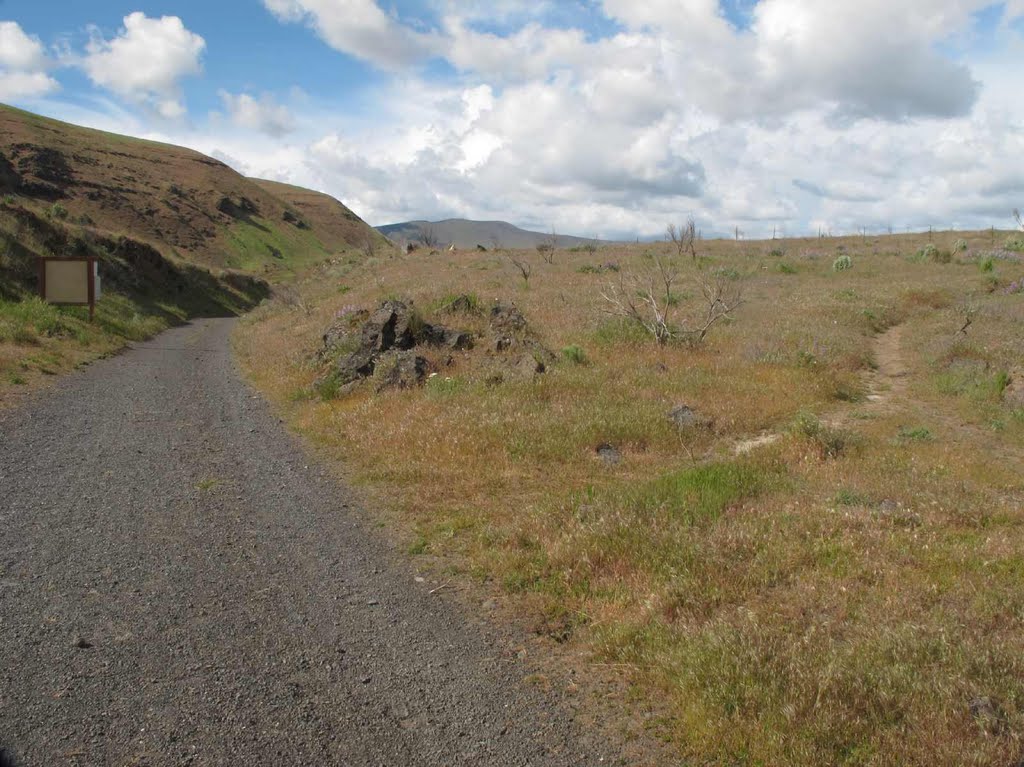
91, 277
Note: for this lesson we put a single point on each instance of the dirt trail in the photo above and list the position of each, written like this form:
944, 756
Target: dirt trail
180, 583
886, 385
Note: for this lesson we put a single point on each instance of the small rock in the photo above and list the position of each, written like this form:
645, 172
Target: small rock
458, 340
373, 602
82, 643
527, 367
609, 454
501, 343
988, 714
893, 512
683, 416
439, 335
366, 679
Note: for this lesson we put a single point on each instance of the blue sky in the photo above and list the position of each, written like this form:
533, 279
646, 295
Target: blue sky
594, 117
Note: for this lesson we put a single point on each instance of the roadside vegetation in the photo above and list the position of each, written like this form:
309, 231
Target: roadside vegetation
797, 535
143, 293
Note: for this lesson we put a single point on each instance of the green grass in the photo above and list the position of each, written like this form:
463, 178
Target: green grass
915, 434
138, 302
575, 354
28, 320
257, 243
700, 495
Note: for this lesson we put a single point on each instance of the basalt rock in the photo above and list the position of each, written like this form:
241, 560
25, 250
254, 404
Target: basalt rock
393, 327
506, 319
399, 370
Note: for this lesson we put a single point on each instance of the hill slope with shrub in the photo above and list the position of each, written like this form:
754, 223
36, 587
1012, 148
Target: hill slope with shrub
177, 234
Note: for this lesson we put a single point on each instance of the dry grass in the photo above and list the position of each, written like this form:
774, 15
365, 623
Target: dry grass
837, 597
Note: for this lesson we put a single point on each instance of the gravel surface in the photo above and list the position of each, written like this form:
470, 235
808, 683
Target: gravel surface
180, 583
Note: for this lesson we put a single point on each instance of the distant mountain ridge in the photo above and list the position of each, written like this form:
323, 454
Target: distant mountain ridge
463, 233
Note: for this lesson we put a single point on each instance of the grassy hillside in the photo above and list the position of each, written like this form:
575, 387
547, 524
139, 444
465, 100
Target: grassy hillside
819, 563
180, 201
470, 234
178, 234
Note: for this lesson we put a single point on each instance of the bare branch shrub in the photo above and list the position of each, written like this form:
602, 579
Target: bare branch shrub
429, 237
525, 267
547, 247
648, 299
684, 237
290, 298
1018, 219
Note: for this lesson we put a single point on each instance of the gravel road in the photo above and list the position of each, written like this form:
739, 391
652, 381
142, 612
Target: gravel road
181, 583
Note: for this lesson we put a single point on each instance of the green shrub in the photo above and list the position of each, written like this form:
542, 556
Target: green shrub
776, 253
328, 388
842, 263
575, 354
57, 211
785, 268
987, 265
960, 246
915, 434
9, 200
931, 253
830, 442
1015, 244
589, 269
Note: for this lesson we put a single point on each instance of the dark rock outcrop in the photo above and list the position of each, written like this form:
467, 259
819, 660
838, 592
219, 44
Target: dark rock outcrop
511, 332
506, 319
386, 334
399, 370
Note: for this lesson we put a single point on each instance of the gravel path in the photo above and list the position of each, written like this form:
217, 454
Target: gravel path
180, 583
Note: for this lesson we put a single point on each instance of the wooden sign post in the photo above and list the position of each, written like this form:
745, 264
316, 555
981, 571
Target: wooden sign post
70, 282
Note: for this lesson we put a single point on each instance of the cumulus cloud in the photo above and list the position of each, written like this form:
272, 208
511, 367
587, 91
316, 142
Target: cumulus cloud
260, 114
146, 61
359, 28
847, 113
865, 58
24, 65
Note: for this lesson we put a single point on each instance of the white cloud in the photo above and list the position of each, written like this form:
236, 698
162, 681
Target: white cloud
847, 113
23, 65
146, 61
359, 28
263, 114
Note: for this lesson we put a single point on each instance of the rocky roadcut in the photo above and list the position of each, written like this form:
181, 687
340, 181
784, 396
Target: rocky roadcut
181, 584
